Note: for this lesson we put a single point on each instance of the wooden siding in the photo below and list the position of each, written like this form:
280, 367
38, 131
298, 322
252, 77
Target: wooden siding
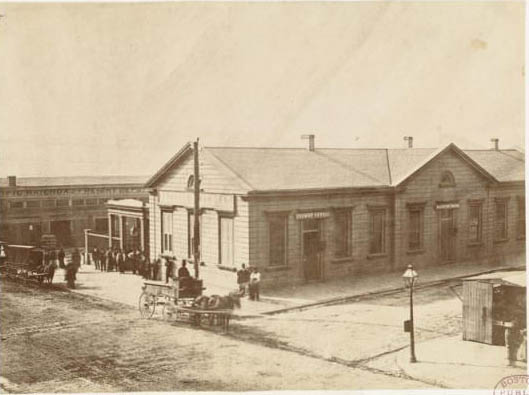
214, 178
214, 181
360, 261
470, 185
477, 311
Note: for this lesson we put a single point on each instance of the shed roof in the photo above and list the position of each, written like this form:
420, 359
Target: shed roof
517, 278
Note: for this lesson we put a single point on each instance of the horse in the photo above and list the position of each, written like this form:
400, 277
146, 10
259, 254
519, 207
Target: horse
217, 302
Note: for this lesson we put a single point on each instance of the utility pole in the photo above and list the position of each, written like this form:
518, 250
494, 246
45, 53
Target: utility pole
196, 228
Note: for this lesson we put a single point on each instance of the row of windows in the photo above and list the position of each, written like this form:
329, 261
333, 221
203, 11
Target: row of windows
475, 223
343, 230
50, 203
278, 229
225, 233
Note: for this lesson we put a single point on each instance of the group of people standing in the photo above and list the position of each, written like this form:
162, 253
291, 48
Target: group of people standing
249, 280
120, 260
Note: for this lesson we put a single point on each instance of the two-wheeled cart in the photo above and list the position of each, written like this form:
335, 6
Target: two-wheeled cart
182, 292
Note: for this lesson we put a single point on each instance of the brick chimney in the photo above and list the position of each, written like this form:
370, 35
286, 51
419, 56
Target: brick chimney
409, 139
496, 142
12, 181
311, 138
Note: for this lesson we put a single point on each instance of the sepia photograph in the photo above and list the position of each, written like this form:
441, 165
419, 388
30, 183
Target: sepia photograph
263, 196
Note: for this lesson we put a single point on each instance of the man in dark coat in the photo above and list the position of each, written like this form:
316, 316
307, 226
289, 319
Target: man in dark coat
169, 266
61, 255
183, 272
76, 262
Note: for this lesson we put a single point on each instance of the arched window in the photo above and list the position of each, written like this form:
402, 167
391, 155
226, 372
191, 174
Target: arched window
447, 180
191, 182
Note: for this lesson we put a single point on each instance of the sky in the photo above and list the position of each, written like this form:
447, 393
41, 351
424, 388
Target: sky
117, 89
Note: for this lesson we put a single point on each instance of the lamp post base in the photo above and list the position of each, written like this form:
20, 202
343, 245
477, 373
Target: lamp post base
413, 359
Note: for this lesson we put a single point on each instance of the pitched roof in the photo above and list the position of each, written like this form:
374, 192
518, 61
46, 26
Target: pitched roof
74, 181
504, 165
275, 169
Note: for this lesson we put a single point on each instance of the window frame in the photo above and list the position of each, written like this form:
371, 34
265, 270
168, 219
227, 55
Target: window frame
447, 179
373, 212
505, 233
471, 205
340, 252
166, 242
419, 209
274, 216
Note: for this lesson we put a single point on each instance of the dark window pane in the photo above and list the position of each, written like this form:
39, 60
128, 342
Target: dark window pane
343, 233
278, 239
415, 230
377, 232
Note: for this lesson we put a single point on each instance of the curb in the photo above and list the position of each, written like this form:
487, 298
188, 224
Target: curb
348, 298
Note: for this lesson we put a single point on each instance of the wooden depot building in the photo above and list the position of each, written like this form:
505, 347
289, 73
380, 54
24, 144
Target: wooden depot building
315, 214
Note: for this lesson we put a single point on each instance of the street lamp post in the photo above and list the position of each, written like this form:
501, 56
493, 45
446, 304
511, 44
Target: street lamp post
410, 277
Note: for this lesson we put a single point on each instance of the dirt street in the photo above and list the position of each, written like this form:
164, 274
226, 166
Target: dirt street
56, 341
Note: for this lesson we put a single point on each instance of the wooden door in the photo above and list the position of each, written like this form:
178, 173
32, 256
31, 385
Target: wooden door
447, 236
311, 249
477, 311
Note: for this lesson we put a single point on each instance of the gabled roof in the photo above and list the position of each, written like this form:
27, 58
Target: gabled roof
283, 169
179, 156
407, 173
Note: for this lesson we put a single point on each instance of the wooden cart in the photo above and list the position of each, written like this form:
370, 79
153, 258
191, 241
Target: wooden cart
181, 292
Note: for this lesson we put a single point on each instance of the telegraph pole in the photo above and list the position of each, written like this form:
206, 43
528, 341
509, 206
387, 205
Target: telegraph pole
196, 228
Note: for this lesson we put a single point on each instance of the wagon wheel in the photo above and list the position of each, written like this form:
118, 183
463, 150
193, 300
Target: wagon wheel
147, 305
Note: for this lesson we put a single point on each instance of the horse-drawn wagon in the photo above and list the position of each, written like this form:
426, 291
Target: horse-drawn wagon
182, 291
183, 300
26, 263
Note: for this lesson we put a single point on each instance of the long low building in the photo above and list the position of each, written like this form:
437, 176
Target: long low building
61, 206
314, 214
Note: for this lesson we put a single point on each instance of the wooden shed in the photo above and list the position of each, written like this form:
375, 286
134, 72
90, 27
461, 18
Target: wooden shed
490, 303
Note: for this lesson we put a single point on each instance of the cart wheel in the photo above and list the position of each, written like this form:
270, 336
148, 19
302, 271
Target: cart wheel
147, 305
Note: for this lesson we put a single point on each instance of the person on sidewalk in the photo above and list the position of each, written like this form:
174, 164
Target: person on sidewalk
95, 258
243, 279
76, 262
169, 266
156, 268
512, 340
103, 260
255, 279
522, 351
61, 255
70, 275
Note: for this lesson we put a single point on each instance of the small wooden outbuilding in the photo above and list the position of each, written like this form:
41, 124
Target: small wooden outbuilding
490, 303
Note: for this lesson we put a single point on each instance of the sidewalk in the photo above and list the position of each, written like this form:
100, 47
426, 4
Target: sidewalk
454, 363
354, 286
126, 288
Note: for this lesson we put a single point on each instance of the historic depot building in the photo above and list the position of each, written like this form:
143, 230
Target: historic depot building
315, 214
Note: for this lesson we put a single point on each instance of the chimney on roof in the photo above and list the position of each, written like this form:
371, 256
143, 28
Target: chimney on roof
12, 181
496, 142
409, 139
309, 137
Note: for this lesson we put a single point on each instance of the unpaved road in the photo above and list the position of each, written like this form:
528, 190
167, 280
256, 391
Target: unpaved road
57, 341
